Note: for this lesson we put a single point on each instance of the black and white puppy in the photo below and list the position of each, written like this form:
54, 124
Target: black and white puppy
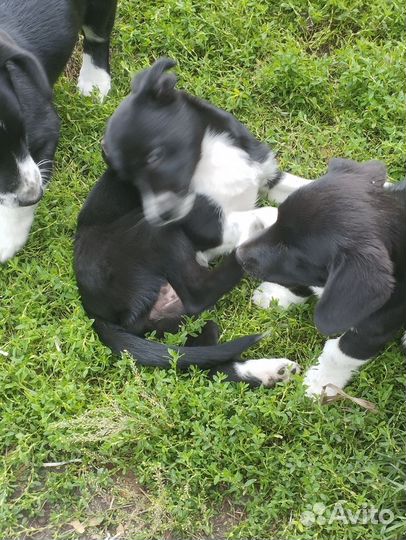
36, 40
345, 236
174, 147
179, 170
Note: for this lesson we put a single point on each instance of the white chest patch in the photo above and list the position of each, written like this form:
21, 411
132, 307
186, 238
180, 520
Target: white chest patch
15, 225
228, 175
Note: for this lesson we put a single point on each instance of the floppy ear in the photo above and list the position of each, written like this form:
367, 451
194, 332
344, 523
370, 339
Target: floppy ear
155, 82
18, 60
372, 172
357, 286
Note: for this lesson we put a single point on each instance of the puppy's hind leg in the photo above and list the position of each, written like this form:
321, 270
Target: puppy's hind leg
97, 27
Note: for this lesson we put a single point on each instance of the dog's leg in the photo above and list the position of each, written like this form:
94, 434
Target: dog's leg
287, 184
260, 372
199, 288
343, 357
15, 225
95, 71
238, 227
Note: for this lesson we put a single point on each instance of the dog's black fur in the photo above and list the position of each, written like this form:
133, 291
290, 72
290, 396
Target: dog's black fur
154, 141
36, 40
346, 233
123, 263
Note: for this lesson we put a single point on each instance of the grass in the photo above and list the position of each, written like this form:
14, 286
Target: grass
158, 454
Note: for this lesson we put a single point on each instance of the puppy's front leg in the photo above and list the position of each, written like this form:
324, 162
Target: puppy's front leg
343, 357
200, 288
238, 227
287, 184
333, 367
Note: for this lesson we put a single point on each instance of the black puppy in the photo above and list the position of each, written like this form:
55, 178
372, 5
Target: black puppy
134, 276
174, 146
36, 39
345, 234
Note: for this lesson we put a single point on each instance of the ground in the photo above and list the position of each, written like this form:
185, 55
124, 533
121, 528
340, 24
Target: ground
161, 455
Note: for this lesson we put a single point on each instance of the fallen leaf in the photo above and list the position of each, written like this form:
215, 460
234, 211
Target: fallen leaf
78, 526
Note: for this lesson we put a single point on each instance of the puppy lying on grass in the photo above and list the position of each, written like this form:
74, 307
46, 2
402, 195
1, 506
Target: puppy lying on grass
343, 237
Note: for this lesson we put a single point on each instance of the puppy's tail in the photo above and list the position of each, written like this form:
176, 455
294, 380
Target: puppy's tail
150, 353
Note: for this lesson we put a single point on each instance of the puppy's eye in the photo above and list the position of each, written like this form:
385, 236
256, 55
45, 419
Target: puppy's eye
155, 156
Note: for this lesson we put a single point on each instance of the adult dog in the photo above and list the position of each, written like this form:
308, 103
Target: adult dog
345, 236
36, 40
183, 176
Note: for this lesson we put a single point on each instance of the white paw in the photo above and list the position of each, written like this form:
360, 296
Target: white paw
92, 78
267, 370
267, 215
202, 259
266, 292
333, 367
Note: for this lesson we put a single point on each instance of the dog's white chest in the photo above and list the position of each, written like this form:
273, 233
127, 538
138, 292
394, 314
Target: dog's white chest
15, 224
226, 174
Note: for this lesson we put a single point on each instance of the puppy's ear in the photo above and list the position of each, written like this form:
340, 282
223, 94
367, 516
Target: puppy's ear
369, 172
22, 64
358, 284
155, 83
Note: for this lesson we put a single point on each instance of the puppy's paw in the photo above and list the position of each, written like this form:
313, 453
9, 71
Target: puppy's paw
268, 371
315, 381
333, 367
202, 258
266, 292
93, 78
249, 227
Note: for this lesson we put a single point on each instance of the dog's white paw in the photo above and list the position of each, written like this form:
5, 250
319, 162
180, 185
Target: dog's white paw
333, 367
92, 78
266, 292
202, 259
268, 371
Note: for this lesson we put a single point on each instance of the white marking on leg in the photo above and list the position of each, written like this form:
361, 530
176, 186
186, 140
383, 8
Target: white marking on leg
15, 225
267, 370
318, 291
90, 35
334, 367
241, 226
92, 77
286, 185
267, 292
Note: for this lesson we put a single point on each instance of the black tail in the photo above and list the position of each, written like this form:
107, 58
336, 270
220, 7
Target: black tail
150, 353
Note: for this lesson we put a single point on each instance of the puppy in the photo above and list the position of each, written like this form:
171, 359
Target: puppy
36, 40
175, 147
134, 277
183, 176
345, 236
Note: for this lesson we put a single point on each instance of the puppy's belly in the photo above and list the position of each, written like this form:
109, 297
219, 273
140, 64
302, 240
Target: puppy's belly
167, 305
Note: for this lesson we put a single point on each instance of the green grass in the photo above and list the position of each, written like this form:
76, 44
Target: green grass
168, 455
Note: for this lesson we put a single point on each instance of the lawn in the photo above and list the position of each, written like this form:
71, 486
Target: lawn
160, 455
